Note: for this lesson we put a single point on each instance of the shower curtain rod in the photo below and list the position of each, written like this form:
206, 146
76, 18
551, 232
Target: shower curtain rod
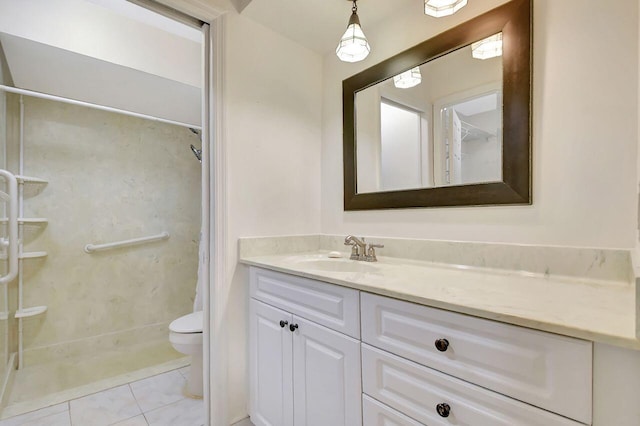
94, 106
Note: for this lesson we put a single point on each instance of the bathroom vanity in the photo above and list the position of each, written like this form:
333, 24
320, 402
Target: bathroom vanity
401, 342
322, 354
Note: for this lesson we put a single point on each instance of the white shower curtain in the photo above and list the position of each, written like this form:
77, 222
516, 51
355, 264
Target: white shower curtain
197, 301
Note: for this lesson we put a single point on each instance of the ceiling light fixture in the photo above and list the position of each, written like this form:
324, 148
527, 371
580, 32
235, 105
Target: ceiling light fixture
353, 45
408, 79
487, 48
440, 8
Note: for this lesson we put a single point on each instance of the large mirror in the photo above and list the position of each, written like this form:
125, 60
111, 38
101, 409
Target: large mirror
445, 123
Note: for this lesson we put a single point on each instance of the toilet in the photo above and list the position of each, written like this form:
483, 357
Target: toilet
185, 335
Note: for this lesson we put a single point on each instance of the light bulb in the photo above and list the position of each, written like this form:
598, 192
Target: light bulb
487, 48
440, 8
408, 79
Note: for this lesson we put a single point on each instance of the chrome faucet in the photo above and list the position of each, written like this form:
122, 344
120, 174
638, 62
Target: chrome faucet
359, 250
358, 247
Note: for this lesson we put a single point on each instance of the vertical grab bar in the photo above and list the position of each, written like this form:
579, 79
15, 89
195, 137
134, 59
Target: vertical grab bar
12, 224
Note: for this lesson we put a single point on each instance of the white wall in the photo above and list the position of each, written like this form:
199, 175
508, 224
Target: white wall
585, 112
273, 94
638, 154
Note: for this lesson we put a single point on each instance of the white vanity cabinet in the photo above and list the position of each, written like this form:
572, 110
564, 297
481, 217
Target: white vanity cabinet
303, 373
322, 354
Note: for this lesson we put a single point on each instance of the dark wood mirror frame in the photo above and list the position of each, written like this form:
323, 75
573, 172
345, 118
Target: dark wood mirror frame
513, 19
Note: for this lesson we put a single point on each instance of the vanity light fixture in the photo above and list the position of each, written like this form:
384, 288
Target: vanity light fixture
408, 79
487, 48
353, 45
440, 8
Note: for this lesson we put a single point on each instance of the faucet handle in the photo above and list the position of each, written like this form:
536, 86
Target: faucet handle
371, 252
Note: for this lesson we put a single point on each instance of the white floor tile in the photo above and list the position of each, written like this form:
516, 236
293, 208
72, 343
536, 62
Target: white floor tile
104, 408
134, 421
34, 415
245, 422
187, 412
60, 419
158, 391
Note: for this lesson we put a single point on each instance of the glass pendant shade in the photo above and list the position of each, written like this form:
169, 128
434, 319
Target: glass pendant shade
440, 8
487, 48
408, 79
353, 45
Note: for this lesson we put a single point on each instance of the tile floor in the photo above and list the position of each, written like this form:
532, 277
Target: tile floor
43, 379
154, 401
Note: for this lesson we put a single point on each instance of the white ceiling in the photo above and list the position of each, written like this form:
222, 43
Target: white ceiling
144, 16
107, 52
484, 103
319, 24
47, 69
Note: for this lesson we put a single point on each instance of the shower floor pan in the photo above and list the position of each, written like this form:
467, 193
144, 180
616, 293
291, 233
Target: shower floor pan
45, 384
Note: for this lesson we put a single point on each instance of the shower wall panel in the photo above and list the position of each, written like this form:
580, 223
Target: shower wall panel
111, 177
7, 118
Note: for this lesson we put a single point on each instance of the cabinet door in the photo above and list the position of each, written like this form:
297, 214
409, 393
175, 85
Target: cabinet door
326, 377
270, 363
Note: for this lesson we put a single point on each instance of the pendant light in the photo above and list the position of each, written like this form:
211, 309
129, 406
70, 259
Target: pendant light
353, 45
408, 79
440, 8
487, 48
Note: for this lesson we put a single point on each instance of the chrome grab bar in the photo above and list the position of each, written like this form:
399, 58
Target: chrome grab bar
90, 248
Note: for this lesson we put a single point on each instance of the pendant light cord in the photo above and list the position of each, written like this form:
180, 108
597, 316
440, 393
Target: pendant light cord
354, 9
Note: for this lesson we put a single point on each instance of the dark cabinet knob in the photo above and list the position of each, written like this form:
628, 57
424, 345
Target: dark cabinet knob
283, 323
293, 327
442, 345
443, 409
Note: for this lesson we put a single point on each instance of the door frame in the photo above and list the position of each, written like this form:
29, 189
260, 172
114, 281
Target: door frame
213, 214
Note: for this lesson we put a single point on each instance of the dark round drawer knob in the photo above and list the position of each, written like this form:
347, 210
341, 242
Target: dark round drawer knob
443, 409
442, 345
293, 327
283, 323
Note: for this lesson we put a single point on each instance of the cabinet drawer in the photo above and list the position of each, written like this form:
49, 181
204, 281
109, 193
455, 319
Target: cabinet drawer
330, 305
550, 371
416, 391
375, 413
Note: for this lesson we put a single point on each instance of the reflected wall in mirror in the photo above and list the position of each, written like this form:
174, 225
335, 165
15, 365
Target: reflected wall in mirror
445, 123
444, 129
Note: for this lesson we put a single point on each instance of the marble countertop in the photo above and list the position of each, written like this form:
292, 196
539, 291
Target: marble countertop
592, 309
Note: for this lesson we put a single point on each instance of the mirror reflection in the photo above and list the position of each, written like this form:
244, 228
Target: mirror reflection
438, 124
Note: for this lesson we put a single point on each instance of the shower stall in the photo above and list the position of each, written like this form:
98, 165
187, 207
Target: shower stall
100, 209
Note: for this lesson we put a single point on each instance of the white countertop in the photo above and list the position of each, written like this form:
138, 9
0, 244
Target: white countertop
598, 310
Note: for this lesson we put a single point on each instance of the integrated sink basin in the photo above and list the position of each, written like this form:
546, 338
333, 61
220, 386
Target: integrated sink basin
337, 265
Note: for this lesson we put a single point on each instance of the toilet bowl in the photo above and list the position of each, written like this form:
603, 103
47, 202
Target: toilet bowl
185, 335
